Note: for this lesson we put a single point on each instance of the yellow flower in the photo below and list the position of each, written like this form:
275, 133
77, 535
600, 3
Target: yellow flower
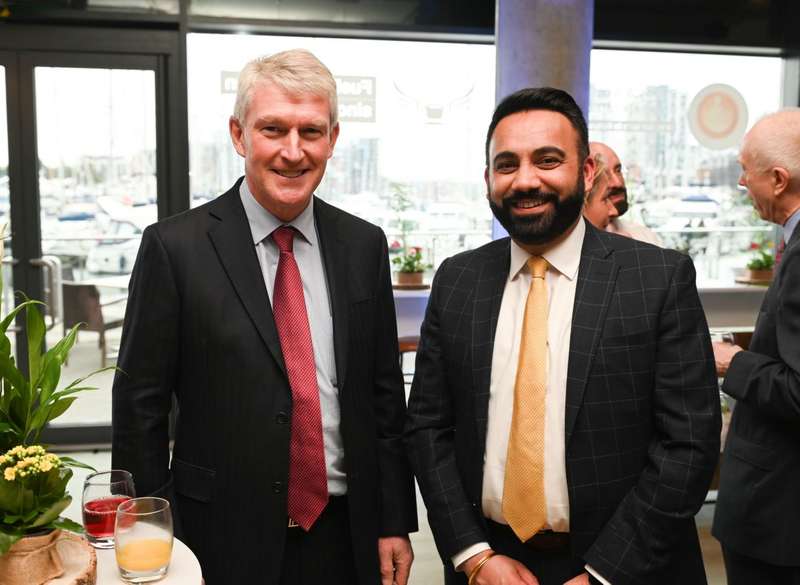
45, 465
10, 474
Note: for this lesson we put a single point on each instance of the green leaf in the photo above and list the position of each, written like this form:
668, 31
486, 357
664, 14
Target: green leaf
45, 414
48, 381
13, 314
34, 323
75, 463
67, 524
8, 539
52, 513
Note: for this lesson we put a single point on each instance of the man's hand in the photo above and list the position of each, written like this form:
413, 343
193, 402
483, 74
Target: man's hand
723, 354
582, 579
395, 556
499, 570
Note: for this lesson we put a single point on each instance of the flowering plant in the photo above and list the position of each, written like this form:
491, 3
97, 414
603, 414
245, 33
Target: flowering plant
763, 260
32, 493
33, 482
411, 261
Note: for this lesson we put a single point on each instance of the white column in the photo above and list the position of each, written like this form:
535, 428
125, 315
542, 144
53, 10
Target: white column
543, 43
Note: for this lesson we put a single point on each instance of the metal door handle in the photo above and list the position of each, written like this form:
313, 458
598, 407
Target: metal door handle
9, 261
52, 288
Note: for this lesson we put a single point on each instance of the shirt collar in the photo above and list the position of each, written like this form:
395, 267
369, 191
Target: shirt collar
564, 256
263, 223
790, 225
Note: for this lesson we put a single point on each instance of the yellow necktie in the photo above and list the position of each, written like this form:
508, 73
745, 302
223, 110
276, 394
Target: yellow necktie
524, 506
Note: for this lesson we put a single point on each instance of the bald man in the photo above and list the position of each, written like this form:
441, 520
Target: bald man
757, 518
618, 194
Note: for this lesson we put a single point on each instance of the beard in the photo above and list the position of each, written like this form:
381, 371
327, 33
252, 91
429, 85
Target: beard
620, 204
545, 227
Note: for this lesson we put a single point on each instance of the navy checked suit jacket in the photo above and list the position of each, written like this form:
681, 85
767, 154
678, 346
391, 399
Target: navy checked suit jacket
642, 407
758, 510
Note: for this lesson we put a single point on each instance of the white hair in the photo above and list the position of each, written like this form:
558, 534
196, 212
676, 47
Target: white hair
774, 141
296, 71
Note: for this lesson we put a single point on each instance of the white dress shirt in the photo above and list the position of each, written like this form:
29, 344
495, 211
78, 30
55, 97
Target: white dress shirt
562, 277
308, 255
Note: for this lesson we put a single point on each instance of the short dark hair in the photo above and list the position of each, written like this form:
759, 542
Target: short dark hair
542, 98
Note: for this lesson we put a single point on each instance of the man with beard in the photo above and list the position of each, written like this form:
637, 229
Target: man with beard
564, 416
618, 194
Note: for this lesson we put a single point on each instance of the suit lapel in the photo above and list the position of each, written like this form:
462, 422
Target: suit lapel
232, 240
489, 288
597, 275
335, 260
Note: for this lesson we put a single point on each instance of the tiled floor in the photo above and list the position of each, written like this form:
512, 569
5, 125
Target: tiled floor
427, 569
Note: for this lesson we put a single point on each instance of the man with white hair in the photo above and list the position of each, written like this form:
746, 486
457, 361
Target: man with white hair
618, 194
269, 315
758, 511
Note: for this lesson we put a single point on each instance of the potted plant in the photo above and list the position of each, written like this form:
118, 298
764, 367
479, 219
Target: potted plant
410, 266
759, 269
33, 482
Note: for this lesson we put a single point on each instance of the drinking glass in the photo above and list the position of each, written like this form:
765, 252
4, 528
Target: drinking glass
143, 537
102, 493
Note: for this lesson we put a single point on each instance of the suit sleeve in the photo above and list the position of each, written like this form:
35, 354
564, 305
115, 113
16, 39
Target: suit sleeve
144, 382
772, 384
398, 498
653, 521
430, 438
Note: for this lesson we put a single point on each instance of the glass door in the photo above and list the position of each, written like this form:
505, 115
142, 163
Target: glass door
7, 298
97, 184
91, 167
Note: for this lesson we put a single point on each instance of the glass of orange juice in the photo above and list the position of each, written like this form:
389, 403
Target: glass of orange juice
143, 539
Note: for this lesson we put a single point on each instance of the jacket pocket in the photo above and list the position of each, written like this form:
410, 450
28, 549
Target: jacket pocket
193, 481
751, 453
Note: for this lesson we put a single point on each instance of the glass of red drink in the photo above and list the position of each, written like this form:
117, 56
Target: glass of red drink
103, 492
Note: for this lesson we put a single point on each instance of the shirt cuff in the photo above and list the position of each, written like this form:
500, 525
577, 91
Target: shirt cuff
459, 558
596, 575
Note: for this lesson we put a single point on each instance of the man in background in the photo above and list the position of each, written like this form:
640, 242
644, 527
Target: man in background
758, 511
618, 194
269, 315
598, 208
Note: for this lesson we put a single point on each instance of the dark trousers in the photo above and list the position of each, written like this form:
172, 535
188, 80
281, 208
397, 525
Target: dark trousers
551, 567
744, 570
324, 554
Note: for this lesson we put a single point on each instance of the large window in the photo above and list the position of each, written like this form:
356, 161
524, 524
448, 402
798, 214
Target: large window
410, 153
652, 108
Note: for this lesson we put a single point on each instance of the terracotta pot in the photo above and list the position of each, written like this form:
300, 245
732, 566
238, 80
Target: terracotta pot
763, 275
33, 560
409, 277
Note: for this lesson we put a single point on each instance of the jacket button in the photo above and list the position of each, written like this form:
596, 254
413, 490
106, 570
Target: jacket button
277, 487
281, 418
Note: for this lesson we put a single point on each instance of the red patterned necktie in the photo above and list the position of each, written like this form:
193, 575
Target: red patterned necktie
779, 252
308, 483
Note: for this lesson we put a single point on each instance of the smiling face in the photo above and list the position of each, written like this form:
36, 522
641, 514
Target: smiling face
286, 141
536, 179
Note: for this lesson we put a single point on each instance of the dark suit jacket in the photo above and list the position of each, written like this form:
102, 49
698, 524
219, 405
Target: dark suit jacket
642, 407
199, 325
758, 507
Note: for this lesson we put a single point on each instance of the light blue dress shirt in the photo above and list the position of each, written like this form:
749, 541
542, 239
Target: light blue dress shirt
308, 255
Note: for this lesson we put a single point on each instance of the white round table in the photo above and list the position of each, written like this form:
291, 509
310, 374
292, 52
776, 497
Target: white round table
184, 569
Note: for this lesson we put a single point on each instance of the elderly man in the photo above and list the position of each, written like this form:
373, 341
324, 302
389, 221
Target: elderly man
598, 208
268, 314
564, 415
618, 194
758, 511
